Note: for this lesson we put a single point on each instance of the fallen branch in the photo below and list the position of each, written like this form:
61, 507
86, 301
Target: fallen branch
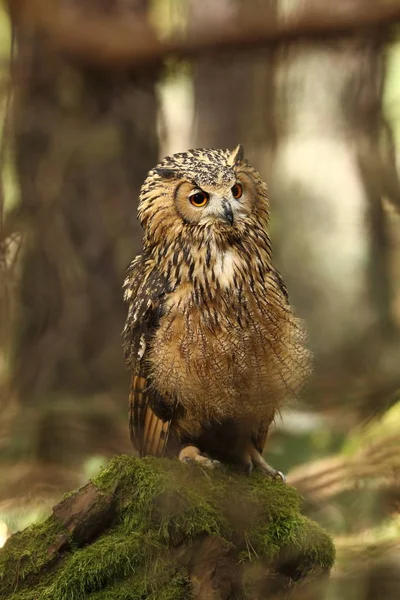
126, 41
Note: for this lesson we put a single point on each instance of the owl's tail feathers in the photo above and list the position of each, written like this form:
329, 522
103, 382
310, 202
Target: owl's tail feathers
156, 434
148, 433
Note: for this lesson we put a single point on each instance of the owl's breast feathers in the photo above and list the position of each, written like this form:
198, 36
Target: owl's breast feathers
210, 328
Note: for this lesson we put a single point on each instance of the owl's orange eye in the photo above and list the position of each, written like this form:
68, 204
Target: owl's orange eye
199, 199
237, 191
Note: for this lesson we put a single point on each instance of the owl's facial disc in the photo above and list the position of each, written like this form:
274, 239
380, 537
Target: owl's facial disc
211, 204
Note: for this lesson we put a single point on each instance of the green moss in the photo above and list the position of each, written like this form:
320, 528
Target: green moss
162, 506
157, 580
27, 553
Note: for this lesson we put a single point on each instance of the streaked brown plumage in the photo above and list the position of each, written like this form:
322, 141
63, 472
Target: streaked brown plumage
210, 338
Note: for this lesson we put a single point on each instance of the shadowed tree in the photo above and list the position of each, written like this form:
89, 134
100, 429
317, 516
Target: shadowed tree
84, 141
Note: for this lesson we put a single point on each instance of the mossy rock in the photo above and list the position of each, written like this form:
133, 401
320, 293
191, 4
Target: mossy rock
162, 530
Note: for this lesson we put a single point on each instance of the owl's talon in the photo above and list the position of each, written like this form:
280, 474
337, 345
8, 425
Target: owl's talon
273, 473
280, 475
206, 462
211, 463
248, 469
191, 454
259, 463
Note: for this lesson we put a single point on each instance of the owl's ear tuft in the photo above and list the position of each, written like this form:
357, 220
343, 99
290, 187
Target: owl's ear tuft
236, 155
167, 173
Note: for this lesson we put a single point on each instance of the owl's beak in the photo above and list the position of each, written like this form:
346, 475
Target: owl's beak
227, 212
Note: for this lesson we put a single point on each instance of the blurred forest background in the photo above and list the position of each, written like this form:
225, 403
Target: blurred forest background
92, 94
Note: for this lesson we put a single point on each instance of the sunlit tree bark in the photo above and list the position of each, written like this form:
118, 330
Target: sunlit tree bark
233, 94
333, 166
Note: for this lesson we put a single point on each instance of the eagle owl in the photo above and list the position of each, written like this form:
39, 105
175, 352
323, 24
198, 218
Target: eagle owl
210, 338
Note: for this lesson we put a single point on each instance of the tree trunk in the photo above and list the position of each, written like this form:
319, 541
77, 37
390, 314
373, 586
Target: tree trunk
333, 166
84, 141
234, 95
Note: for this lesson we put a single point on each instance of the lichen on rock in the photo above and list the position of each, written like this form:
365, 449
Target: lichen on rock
161, 530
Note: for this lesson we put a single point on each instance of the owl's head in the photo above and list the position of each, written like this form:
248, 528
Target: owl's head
215, 190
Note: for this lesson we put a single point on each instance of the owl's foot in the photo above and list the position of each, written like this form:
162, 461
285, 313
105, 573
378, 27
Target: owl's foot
190, 454
257, 461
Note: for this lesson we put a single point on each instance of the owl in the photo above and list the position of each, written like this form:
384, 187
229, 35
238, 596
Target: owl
212, 343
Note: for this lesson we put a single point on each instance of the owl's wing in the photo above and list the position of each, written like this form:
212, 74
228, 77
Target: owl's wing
149, 434
144, 291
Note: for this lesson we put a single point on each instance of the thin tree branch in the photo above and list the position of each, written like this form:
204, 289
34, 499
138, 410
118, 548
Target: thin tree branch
126, 41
